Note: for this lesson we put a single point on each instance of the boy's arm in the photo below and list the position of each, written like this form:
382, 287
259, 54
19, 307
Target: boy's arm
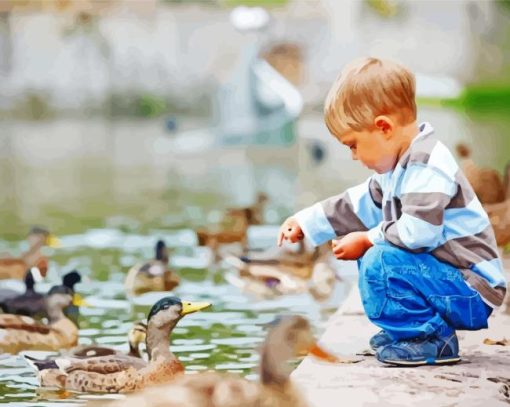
357, 209
425, 193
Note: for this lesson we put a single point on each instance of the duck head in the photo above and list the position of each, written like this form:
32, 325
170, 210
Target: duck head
288, 338
71, 279
42, 236
161, 251
169, 310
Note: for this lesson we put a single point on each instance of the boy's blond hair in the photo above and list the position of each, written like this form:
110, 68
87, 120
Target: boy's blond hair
367, 88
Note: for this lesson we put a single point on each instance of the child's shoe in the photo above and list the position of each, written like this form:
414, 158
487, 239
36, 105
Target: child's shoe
379, 340
416, 352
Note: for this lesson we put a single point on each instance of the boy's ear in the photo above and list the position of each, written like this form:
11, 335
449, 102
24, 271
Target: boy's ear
384, 124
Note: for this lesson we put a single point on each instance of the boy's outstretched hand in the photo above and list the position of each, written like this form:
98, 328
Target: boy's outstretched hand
351, 246
290, 230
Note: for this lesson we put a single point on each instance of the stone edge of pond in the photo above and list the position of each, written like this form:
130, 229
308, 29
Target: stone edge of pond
482, 378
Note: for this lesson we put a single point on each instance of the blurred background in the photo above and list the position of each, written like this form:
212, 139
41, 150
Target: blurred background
124, 121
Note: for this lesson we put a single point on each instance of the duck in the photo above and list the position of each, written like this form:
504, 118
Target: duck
136, 336
123, 373
234, 226
290, 336
32, 276
152, 275
499, 214
33, 304
15, 267
488, 184
19, 332
280, 271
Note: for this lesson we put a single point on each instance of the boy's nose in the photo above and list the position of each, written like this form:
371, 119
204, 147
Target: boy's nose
354, 156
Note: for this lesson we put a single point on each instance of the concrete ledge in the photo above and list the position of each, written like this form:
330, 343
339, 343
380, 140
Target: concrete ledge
482, 378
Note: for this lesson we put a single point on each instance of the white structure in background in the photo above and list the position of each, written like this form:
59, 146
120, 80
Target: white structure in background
185, 50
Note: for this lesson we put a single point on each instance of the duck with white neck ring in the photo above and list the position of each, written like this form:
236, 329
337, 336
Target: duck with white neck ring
123, 373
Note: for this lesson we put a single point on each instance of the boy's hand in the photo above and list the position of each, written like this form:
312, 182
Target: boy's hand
351, 246
290, 230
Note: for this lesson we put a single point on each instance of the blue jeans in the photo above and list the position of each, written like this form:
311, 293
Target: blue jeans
414, 295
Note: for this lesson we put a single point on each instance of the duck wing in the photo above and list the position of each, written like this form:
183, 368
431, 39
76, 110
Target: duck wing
101, 364
21, 322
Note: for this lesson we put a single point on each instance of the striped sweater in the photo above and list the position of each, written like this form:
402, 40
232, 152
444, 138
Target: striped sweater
425, 204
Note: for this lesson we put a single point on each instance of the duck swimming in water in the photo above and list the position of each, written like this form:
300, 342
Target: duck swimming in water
152, 275
16, 267
33, 304
123, 373
289, 337
20, 332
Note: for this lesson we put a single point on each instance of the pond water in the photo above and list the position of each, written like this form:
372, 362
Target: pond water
109, 190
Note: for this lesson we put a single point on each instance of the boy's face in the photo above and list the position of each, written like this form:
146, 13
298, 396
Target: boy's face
376, 149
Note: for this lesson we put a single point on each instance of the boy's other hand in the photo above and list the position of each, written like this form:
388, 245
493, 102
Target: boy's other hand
351, 246
290, 230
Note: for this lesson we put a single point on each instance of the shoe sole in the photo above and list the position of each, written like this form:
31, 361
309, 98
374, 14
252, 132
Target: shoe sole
411, 363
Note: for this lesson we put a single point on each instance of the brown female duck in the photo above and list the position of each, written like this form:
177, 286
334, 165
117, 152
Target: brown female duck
136, 336
289, 338
152, 275
16, 267
123, 373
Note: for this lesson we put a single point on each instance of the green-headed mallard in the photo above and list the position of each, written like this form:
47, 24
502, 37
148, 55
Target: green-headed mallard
122, 373
16, 267
289, 338
19, 332
33, 304
152, 275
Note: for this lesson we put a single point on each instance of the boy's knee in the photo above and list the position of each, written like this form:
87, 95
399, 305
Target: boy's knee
373, 259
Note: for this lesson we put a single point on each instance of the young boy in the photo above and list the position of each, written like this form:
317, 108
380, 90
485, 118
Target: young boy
426, 251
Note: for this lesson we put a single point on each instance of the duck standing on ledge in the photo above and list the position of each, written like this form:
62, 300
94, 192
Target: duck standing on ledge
290, 337
153, 275
20, 332
122, 373
16, 267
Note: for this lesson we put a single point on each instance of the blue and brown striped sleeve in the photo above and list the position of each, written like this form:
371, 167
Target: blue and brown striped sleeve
356, 209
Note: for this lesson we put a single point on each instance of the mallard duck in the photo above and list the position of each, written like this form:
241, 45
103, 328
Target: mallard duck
16, 267
33, 304
290, 337
32, 276
282, 271
20, 332
136, 336
153, 275
487, 183
122, 373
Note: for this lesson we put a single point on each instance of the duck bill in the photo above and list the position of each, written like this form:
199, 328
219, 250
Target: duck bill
79, 301
322, 354
53, 241
190, 307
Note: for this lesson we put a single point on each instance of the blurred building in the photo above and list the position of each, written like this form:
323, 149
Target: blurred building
97, 55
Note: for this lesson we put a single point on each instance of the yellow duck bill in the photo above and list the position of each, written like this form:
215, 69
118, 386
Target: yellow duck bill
190, 307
